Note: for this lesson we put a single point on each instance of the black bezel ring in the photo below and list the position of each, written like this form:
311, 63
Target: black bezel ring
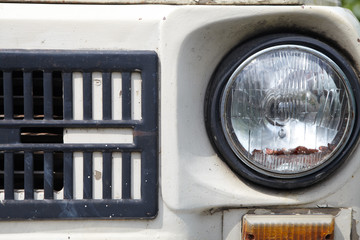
213, 116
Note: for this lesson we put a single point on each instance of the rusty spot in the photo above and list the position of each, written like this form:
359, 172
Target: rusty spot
164, 18
143, 133
358, 40
97, 175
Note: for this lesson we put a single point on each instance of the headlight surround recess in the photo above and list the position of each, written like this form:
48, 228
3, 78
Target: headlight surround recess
281, 110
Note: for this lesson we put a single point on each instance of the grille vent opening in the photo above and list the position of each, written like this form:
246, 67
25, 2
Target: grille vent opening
38, 170
18, 94
32, 100
42, 135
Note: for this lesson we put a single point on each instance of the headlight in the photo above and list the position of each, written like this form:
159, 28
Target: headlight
282, 111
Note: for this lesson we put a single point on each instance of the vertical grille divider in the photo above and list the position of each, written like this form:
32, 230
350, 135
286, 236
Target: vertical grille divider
67, 91
8, 96
68, 175
146, 160
48, 96
48, 175
87, 84
88, 168
28, 96
126, 95
29, 175
107, 169
106, 79
126, 175
9, 175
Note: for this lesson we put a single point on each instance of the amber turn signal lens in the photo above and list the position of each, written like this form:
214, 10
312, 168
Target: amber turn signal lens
288, 227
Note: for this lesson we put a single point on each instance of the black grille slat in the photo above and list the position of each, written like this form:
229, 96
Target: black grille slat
87, 175
48, 175
107, 106
68, 175
38, 114
68, 106
9, 175
87, 85
107, 163
126, 175
28, 175
28, 96
126, 95
8, 97
48, 96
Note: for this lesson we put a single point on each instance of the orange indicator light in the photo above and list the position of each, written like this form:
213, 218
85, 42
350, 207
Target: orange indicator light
288, 227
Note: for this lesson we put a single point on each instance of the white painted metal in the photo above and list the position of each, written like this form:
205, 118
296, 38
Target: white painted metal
78, 96
195, 184
97, 182
296, 219
19, 195
116, 174
78, 173
116, 95
194, 2
39, 194
58, 195
136, 95
197, 166
98, 135
97, 96
136, 175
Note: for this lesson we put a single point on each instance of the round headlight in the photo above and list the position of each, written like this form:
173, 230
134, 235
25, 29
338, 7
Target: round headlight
281, 110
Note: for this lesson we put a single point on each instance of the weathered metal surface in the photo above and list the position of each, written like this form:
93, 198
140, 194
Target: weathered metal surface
192, 2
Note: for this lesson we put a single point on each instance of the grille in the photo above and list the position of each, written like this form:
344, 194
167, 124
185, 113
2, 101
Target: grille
78, 134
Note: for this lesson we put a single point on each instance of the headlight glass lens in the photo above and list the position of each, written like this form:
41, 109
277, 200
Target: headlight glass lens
287, 110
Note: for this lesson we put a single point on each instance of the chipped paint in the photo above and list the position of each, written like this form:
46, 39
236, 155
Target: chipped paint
97, 175
354, 233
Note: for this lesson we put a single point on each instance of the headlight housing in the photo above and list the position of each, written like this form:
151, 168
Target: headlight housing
281, 110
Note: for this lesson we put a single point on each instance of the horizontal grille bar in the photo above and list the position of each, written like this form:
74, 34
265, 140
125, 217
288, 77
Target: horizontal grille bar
69, 61
67, 147
72, 123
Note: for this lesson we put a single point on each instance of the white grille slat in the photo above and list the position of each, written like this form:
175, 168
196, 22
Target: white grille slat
78, 173
116, 92
136, 175
136, 82
116, 186
97, 96
97, 175
78, 99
